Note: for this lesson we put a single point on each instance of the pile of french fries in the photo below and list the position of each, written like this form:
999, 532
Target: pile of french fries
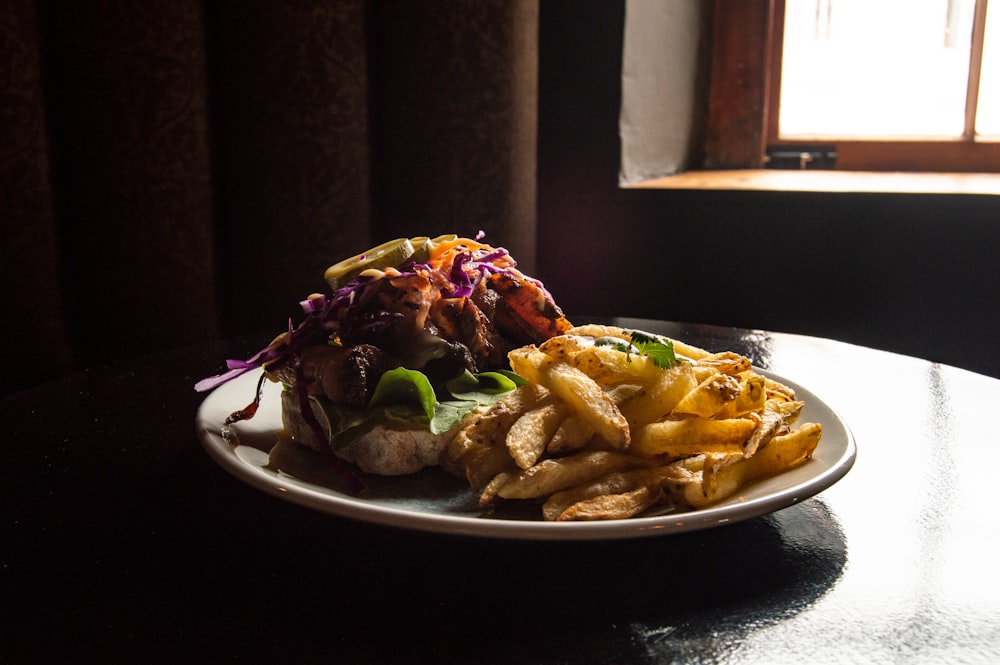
601, 431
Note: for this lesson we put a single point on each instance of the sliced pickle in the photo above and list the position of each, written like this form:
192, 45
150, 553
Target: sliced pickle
421, 249
387, 255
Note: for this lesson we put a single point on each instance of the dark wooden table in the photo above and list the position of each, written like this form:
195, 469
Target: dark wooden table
123, 541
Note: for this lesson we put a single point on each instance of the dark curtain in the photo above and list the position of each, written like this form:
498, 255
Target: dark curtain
178, 170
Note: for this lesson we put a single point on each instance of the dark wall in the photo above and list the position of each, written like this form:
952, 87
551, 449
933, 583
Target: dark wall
915, 274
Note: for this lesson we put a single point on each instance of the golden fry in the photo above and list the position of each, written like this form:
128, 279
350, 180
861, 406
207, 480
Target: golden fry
624, 393
782, 453
565, 347
491, 488
787, 450
777, 389
485, 464
692, 436
581, 392
597, 331
695, 433
530, 434
604, 364
753, 395
660, 396
609, 366
588, 400
790, 409
727, 362
618, 482
554, 475
712, 464
709, 396
613, 506
572, 434
471, 452
688, 351
530, 363
770, 420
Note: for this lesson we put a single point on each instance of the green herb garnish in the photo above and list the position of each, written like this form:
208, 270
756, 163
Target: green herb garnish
660, 349
616, 343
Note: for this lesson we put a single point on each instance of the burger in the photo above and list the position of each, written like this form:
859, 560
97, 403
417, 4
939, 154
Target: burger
408, 339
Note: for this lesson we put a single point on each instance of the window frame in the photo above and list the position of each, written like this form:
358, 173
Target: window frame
744, 88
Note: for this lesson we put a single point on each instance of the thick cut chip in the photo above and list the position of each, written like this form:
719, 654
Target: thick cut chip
609, 366
778, 389
711, 395
752, 397
530, 363
712, 465
692, 436
605, 364
770, 420
487, 463
557, 474
688, 351
475, 451
781, 453
660, 396
530, 434
613, 506
565, 347
624, 393
787, 450
581, 392
726, 362
490, 489
573, 433
592, 404
790, 409
597, 331
618, 482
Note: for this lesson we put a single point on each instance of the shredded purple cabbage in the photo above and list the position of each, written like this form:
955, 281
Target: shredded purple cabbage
459, 278
237, 368
323, 312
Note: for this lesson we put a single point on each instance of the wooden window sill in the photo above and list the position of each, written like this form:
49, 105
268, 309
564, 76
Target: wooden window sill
830, 181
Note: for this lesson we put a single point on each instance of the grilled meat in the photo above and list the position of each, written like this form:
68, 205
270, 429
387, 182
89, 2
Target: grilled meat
346, 375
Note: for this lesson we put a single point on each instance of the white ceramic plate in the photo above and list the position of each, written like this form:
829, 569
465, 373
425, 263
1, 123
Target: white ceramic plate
436, 502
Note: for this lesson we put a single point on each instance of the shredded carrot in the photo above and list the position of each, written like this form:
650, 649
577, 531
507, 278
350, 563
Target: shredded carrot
445, 251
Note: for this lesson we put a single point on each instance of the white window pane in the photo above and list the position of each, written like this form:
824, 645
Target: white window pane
988, 110
875, 68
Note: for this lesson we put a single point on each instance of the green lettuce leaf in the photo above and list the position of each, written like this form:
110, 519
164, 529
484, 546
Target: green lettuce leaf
485, 387
405, 386
405, 399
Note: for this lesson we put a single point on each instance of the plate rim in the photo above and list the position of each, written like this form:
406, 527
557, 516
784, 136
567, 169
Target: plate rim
208, 428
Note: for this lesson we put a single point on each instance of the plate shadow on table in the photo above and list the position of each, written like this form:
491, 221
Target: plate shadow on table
273, 582
647, 600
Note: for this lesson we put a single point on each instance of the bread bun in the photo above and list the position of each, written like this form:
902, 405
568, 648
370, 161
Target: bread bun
382, 451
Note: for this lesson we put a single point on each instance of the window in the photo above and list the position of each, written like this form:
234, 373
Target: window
882, 85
